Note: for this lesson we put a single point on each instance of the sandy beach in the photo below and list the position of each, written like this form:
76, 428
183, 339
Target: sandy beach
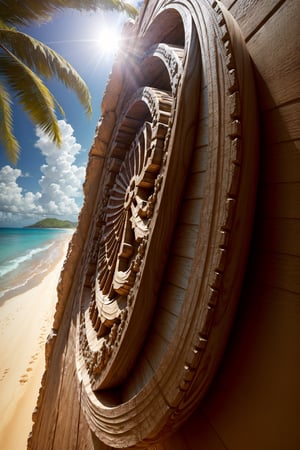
25, 322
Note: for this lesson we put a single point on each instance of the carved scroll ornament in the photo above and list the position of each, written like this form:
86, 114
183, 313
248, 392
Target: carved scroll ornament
168, 244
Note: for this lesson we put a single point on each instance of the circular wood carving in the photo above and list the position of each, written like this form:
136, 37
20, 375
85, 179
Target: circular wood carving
135, 172
168, 245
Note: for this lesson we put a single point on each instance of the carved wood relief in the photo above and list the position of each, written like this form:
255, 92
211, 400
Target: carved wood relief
133, 181
168, 245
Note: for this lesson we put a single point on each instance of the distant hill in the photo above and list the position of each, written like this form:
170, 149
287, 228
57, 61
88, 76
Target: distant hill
53, 223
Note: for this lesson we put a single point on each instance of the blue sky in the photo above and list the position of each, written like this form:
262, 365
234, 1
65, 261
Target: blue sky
46, 181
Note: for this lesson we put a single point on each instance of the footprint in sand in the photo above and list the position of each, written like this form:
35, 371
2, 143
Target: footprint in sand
23, 379
42, 337
33, 358
3, 375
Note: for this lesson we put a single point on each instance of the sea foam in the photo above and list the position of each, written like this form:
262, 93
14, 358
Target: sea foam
13, 264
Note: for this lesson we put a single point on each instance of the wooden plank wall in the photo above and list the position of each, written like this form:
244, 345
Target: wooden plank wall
255, 401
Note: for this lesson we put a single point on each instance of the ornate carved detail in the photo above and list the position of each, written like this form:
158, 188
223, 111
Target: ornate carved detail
133, 180
155, 314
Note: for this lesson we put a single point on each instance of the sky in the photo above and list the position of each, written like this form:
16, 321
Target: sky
47, 181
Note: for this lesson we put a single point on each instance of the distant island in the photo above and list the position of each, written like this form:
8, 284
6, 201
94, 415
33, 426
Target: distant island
53, 223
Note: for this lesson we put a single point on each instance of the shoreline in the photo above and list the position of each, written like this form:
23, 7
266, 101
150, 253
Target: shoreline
25, 322
38, 277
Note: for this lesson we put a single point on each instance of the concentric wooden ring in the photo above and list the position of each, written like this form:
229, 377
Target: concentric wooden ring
172, 225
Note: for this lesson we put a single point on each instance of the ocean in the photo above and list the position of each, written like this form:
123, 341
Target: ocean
26, 254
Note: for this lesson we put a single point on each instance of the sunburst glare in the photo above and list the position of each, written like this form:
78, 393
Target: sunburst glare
109, 40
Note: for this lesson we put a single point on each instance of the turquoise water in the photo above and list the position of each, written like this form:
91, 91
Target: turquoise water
26, 253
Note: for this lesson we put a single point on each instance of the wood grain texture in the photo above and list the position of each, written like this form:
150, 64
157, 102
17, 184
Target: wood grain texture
276, 62
252, 14
228, 3
288, 115
251, 404
197, 260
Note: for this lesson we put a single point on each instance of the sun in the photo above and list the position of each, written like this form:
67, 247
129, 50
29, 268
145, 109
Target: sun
108, 39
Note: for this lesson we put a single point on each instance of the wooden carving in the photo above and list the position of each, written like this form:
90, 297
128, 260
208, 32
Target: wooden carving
167, 247
133, 181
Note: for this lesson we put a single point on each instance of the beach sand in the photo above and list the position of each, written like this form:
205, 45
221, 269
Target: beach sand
25, 322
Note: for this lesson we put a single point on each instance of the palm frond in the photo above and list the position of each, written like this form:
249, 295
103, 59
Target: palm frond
46, 62
7, 138
33, 95
130, 10
29, 11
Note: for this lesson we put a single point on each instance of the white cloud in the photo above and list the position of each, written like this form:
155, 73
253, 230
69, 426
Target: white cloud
12, 198
60, 182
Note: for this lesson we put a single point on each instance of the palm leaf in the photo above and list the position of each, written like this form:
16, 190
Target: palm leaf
7, 138
46, 62
130, 10
26, 12
34, 96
